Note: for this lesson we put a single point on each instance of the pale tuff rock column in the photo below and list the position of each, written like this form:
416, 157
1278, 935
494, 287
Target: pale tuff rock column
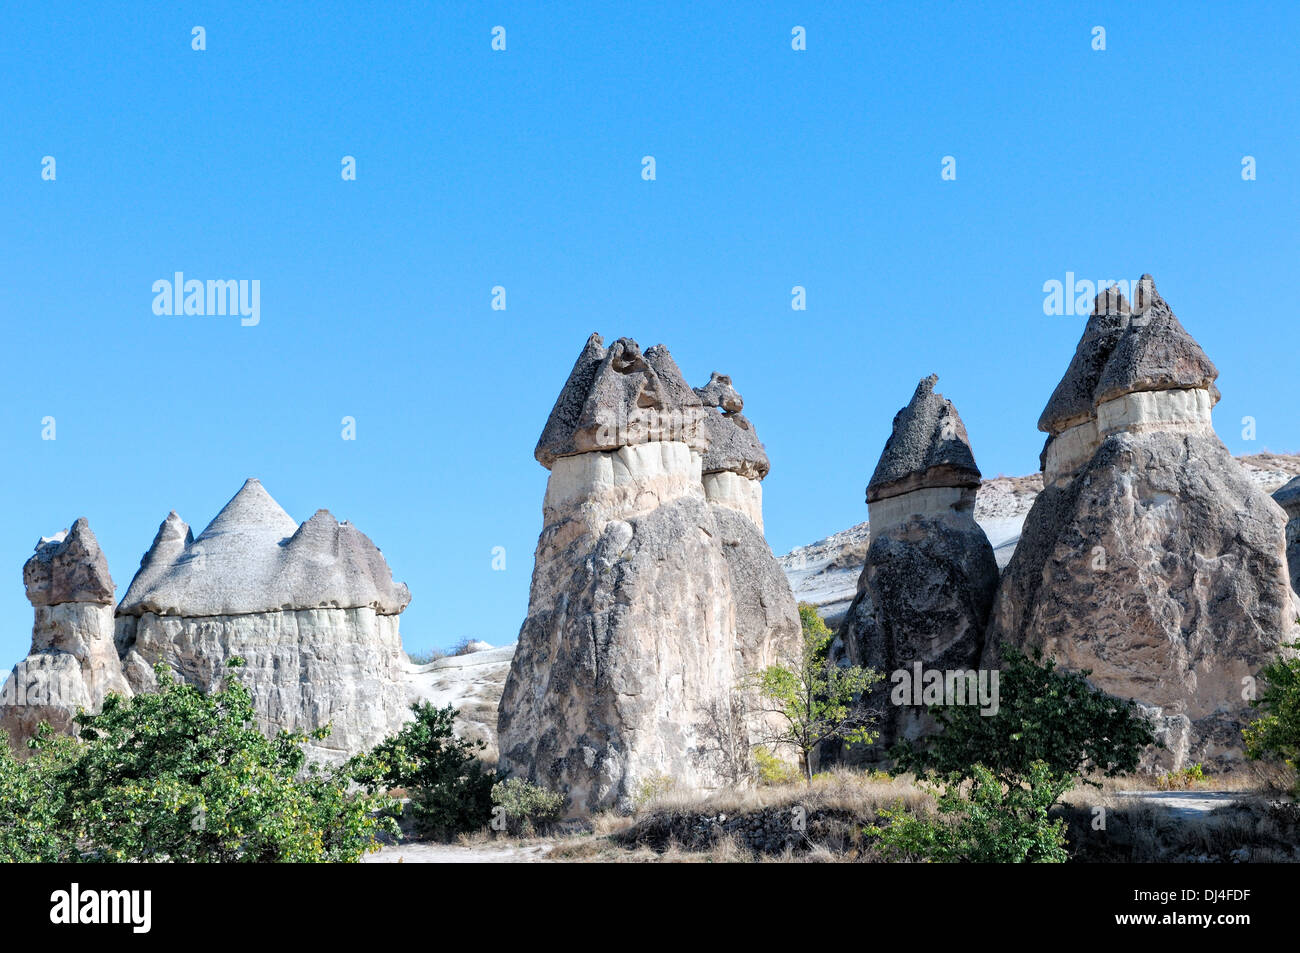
1155, 563
312, 608
629, 647
1289, 499
733, 468
928, 583
73, 663
768, 631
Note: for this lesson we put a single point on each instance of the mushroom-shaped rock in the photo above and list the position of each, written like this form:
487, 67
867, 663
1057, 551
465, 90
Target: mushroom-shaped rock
73, 662
1150, 558
629, 656
928, 583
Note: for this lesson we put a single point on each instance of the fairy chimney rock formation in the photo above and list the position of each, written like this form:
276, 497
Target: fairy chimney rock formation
628, 658
73, 662
312, 608
1150, 558
929, 579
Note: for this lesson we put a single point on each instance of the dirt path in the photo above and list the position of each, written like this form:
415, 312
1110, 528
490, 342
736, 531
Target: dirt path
418, 853
1186, 804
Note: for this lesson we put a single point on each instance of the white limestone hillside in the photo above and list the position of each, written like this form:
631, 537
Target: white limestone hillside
472, 683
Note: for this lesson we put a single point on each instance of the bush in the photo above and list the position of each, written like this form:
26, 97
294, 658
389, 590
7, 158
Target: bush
1044, 717
1276, 734
184, 775
981, 821
30, 803
652, 788
449, 787
771, 769
1182, 779
526, 808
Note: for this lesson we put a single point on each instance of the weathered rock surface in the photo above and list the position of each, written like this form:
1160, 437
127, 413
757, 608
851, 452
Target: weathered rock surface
312, 609
1288, 497
73, 663
1156, 562
928, 581
626, 663
733, 466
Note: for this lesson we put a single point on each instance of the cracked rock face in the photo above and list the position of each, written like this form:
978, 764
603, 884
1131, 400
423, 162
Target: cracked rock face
312, 608
646, 600
73, 662
1156, 563
928, 582
1288, 497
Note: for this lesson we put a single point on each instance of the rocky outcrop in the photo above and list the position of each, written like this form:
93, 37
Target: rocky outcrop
311, 608
1150, 558
928, 582
1288, 497
627, 661
73, 663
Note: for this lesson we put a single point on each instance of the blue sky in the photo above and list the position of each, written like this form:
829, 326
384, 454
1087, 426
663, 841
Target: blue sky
522, 168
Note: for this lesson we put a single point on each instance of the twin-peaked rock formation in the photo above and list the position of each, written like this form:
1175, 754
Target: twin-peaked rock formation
312, 609
653, 591
929, 579
1149, 558
73, 663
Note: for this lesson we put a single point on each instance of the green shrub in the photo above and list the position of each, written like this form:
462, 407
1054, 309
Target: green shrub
526, 808
1276, 733
449, 787
771, 769
1044, 717
652, 788
1182, 779
31, 801
185, 775
980, 821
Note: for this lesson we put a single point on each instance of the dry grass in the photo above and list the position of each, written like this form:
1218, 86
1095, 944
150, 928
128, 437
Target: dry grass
841, 789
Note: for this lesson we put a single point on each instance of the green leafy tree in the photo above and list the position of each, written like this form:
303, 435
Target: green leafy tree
813, 701
1276, 733
184, 775
30, 804
449, 786
1044, 717
981, 820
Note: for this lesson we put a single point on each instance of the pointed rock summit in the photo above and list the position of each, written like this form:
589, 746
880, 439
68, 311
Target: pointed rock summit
927, 448
1150, 558
928, 583
73, 662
